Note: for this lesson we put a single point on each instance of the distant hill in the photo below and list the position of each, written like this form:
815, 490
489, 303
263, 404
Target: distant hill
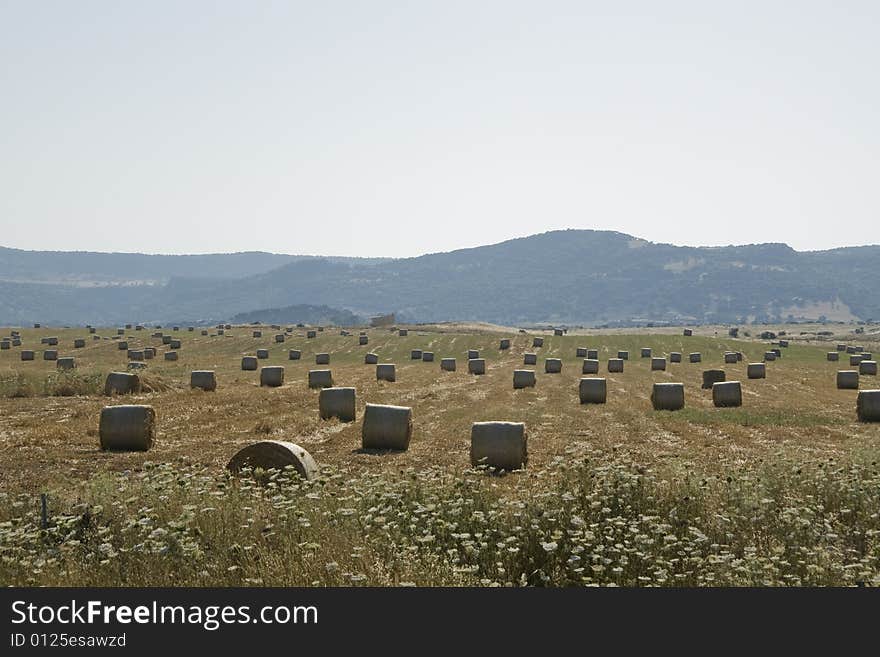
572, 276
300, 314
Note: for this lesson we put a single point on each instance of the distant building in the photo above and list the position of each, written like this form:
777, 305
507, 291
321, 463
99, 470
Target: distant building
382, 320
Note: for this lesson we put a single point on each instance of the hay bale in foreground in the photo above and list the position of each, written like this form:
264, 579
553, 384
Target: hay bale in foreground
523, 379
122, 383
500, 445
868, 406
272, 376
320, 379
711, 377
204, 379
386, 427
386, 372
593, 390
274, 455
127, 428
667, 396
248, 363
727, 394
338, 403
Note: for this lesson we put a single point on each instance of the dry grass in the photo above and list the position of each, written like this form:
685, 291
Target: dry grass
795, 417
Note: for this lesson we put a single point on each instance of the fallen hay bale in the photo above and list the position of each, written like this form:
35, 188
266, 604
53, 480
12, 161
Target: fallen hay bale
500, 445
338, 403
274, 455
203, 379
523, 379
386, 427
122, 383
552, 365
320, 379
727, 394
272, 376
248, 363
711, 377
447, 364
868, 406
667, 396
476, 365
127, 428
590, 366
386, 372
593, 390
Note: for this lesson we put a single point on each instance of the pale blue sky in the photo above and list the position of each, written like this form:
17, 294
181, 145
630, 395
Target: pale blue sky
400, 128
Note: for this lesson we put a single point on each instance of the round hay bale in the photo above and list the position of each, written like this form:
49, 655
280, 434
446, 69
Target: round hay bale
593, 390
428, 356
769, 356
338, 403
322, 359
386, 372
868, 406
505, 344
52, 342
499, 445
37, 325
447, 364
320, 379
868, 368
403, 333
294, 354
122, 346
730, 358
248, 363
257, 334
66, 363
615, 365
867, 356
590, 366
727, 394
646, 352
121, 331
5, 344
170, 355
311, 334
530, 359
593, 354
166, 339
783, 343
27, 354
848, 380
50, 354
280, 337
472, 353
175, 344
778, 353
623, 355
415, 354
274, 455
756, 371
16, 342
363, 339
476, 365
832, 356
272, 376
523, 379
711, 377
557, 332
149, 353
695, 357
537, 342
262, 354
667, 396
221, 332
552, 365
658, 364
79, 343
135, 354
127, 428
204, 332
581, 352
122, 383
203, 379
841, 347
136, 365
675, 357
855, 360
688, 333
386, 427
190, 329
371, 359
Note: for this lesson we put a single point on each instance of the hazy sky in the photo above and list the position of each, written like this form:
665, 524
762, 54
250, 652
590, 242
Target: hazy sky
400, 128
